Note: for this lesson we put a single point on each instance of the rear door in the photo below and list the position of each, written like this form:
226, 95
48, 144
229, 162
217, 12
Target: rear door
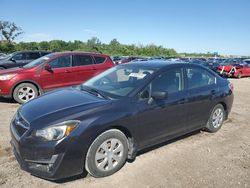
30, 56
83, 68
61, 73
202, 89
102, 63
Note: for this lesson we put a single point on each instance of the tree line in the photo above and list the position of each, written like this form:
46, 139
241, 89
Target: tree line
10, 31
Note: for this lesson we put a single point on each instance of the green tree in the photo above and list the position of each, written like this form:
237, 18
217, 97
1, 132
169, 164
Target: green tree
9, 31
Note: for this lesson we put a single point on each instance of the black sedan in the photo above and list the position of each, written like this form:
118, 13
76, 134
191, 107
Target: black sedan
107, 120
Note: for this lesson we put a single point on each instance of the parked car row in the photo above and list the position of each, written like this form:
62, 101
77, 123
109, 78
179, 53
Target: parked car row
28, 79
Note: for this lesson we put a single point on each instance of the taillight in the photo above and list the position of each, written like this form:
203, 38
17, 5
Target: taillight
231, 86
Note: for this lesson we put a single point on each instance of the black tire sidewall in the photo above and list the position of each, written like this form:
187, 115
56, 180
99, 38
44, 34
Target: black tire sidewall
210, 126
15, 92
90, 165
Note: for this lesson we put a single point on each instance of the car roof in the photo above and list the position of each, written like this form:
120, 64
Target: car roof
156, 63
76, 52
30, 51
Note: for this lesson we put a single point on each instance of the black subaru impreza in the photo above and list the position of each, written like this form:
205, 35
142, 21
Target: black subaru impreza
109, 118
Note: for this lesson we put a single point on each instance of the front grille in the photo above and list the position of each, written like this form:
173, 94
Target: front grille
19, 125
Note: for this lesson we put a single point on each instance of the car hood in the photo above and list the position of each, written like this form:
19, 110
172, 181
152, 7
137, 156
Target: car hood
11, 71
61, 105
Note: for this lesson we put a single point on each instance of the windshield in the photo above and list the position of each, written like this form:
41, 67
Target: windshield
120, 80
6, 56
38, 61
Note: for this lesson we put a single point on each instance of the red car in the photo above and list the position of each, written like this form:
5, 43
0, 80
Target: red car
50, 72
235, 69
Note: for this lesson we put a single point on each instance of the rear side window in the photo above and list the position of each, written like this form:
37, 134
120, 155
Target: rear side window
60, 62
44, 53
82, 60
198, 77
32, 55
99, 60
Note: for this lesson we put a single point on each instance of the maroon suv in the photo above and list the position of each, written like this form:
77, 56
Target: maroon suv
50, 72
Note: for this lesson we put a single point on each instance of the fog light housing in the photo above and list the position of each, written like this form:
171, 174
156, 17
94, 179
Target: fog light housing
43, 165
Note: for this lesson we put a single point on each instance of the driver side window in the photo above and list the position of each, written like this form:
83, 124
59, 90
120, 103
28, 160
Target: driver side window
170, 82
60, 62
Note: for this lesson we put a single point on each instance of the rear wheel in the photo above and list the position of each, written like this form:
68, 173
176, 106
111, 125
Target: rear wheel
107, 154
216, 119
25, 92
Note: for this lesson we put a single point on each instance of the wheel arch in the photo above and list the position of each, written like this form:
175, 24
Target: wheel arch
132, 145
29, 82
1, 66
225, 107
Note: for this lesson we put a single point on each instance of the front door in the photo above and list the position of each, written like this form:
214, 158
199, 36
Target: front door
60, 74
159, 119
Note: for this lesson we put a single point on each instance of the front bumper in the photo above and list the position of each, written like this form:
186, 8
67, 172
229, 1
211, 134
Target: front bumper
51, 161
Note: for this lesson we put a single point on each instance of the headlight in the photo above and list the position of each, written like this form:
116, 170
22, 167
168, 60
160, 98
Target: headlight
7, 77
57, 132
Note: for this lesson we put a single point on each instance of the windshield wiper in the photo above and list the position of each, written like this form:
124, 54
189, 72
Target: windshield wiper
94, 92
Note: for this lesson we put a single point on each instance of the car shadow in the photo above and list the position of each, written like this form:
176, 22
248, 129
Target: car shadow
85, 173
151, 148
70, 179
6, 100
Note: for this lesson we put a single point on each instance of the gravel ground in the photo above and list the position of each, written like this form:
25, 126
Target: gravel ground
197, 160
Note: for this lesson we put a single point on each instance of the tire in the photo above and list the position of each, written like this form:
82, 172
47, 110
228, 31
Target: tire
2, 68
25, 92
102, 161
216, 119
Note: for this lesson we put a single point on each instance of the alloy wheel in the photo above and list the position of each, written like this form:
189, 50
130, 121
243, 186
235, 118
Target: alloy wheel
26, 93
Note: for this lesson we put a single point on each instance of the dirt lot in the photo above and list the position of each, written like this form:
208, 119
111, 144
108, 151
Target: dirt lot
198, 160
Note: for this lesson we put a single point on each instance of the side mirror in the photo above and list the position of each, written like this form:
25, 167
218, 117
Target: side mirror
160, 95
48, 68
12, 59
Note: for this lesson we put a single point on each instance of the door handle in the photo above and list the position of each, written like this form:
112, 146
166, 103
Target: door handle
213, 92
67, 71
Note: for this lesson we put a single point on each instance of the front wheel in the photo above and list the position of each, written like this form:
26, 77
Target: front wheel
25, 92
107, 154
216, 119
